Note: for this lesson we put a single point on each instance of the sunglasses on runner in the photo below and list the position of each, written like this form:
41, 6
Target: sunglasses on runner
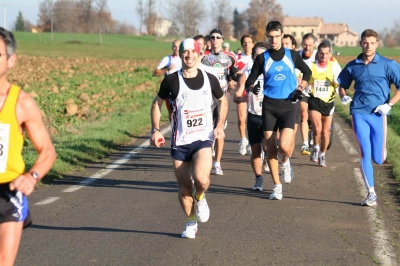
215, 37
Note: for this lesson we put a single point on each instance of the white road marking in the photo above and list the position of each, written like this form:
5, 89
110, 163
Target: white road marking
103, 172
380, 238
47, 201
345, 140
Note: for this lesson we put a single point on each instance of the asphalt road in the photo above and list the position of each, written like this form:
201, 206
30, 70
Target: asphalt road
131, 216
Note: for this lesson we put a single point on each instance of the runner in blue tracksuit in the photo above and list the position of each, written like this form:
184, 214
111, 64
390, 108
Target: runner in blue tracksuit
372, 75
278, 110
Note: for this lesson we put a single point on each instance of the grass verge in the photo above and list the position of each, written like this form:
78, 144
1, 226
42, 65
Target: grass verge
94, 141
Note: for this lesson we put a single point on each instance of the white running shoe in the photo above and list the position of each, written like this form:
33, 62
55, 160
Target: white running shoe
322, 161
243, 146
190, 230
305, 150
370, 200
201, 209
314, 156
259, 185
276, 193
287, 173
218, 170
265, 165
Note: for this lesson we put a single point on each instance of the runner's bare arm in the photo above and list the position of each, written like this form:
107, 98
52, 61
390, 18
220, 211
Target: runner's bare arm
395, 98
223, 111
155, 122
238, 98
159, 72
30, 119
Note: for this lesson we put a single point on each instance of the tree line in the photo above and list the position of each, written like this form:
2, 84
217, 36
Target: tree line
188, 15
78, 16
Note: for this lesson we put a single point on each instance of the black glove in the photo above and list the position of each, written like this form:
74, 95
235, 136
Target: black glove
257, 88
297, 95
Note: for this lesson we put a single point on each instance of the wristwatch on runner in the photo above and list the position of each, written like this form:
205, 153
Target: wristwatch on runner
153, 130
35, 175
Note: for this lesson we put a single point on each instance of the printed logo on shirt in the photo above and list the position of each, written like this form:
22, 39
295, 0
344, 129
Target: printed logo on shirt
205, 93
184, 96
279, 77
279, 68
211, 58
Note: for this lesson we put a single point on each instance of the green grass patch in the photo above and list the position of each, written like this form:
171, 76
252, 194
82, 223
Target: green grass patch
74, 45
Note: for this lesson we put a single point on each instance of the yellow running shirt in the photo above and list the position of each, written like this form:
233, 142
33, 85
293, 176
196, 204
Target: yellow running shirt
11, 140
323, 81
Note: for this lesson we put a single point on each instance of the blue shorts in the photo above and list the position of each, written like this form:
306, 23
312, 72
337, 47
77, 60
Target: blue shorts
13, 206
185, 153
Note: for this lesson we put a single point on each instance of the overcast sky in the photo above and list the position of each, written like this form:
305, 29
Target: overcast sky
358, 14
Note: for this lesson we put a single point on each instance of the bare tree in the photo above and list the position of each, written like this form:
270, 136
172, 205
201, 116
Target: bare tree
259, 13
222, 11
140, 12
45, 12
66, 16
391, 37
151, 16
188, 14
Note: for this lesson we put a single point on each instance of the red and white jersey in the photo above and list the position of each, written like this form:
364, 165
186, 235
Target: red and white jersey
242, 60
192, 119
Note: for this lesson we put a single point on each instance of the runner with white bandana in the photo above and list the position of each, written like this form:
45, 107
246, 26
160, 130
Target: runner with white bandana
192, 131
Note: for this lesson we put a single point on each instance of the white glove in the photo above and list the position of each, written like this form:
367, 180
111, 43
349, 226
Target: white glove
346, 99
383, 109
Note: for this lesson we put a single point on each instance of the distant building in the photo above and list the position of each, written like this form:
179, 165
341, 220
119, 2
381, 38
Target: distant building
162, 27
338, 33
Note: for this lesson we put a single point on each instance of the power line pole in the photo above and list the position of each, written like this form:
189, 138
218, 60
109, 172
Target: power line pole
51, 26
4, 17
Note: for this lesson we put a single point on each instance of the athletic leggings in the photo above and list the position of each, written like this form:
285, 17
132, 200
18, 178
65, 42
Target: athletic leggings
370, 131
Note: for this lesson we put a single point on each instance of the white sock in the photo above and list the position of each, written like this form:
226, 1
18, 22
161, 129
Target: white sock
286, 163
277, 185
244, 139
316, 147
322, 154
371, 190
305, 143
217, 164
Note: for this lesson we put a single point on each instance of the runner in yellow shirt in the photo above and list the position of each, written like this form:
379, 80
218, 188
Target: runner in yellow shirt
18, 113
321, 104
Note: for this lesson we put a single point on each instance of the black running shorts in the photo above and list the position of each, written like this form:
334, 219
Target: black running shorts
185, 153
278, 113
316, 104
254, 128
13, 206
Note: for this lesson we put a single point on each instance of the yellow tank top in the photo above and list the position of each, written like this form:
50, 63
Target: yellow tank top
322, 83
11, 140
